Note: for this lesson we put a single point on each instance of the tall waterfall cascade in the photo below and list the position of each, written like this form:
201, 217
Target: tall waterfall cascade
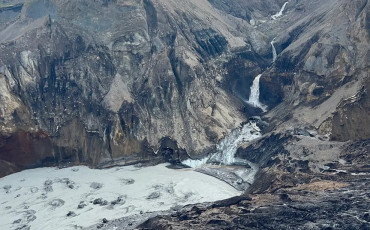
227, 147
280, 13
274, 54
255, 94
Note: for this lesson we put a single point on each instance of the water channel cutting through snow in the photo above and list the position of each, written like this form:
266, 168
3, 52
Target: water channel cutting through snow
224, 165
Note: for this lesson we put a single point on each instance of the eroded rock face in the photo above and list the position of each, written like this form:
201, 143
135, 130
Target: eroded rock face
122, 81
106, 81
319, 69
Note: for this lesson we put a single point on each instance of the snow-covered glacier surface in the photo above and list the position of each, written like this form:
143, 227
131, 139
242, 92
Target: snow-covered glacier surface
76, 197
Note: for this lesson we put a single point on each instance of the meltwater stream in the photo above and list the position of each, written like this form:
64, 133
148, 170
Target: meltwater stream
274, 54
223, 163
227, 147
280, 13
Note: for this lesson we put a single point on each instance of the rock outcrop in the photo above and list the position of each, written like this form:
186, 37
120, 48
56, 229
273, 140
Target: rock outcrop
321, 69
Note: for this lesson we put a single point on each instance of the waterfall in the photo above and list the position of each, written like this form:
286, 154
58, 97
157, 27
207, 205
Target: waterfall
274, 54
239, 178
226, 150
227, 147
255, 94
280, 13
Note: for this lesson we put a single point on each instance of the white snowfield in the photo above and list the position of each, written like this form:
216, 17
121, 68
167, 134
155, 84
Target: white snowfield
71, 198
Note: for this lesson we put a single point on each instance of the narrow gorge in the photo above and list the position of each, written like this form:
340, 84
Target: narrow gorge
184, 114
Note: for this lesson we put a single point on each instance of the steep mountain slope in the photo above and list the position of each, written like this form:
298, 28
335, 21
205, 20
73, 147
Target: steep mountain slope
96, 81
326, 54
108, 82
88, 82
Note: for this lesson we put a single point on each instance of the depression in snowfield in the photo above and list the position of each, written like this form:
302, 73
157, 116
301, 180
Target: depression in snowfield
70, 198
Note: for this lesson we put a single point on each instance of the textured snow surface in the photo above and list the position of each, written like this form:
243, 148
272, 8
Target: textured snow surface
42, 198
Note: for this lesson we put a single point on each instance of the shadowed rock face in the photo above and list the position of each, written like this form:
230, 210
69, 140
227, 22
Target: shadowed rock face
106, 81
111, 82
321, 64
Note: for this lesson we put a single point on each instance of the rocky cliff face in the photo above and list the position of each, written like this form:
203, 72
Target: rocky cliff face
89, 82
119, 80
325, 53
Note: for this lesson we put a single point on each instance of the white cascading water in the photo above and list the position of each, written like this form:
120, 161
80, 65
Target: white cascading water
226, 150
280, 13
255, 94
196, 163
274, 54
228, 146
